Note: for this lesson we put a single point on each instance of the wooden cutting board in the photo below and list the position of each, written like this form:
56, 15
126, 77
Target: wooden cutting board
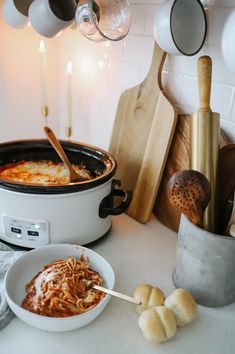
141, 137
178, 159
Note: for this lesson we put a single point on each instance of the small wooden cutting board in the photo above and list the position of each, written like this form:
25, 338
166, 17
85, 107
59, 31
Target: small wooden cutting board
141, 138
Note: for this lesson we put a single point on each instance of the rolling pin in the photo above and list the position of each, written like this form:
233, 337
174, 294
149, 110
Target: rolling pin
204, 140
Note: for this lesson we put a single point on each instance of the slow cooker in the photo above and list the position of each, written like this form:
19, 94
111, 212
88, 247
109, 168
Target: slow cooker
33, 215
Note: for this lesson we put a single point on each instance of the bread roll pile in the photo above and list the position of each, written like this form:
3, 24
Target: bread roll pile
160, 317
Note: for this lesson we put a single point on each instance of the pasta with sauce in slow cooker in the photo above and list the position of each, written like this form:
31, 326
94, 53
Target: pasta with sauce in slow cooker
42, 172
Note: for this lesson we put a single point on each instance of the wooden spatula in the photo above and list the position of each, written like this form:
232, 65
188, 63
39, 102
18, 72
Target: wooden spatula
189, 191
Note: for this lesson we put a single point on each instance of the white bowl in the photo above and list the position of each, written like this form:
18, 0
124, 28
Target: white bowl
28, 265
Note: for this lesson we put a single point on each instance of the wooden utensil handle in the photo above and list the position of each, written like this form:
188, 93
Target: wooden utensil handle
204, 82
59, 149
117, 294
56, 144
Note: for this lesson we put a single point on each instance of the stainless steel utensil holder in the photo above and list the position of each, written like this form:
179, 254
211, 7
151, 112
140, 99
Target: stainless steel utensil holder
205, 265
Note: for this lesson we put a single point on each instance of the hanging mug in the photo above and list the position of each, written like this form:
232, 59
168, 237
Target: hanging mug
180, 27
15, 12
50, 17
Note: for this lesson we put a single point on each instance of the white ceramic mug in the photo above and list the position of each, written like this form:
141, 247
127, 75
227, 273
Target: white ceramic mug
180, 27
15, 12
49, 17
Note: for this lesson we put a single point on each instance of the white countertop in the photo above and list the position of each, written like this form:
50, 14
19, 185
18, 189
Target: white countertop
138, 253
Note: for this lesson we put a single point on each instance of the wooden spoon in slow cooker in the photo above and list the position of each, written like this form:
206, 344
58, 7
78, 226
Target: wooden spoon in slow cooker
73, 176
190, 192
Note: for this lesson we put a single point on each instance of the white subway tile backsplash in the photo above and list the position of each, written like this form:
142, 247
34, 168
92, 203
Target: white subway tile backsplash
138, 49
172, 84
221, 72
99, 132
73, 40
109, 49
221, 99
112, 67
124, 74
189, 95
102, 71
232, 116
137, 19
218, 3
149, 19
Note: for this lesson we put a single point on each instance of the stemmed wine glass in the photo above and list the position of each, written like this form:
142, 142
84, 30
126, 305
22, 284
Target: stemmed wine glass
103, 19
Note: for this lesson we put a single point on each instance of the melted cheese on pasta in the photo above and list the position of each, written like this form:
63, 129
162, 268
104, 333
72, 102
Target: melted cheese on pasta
41, 172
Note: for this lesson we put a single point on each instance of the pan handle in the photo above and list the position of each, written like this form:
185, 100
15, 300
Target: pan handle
107, 204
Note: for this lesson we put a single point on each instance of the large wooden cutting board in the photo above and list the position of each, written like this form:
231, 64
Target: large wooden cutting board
141, 137
178, 159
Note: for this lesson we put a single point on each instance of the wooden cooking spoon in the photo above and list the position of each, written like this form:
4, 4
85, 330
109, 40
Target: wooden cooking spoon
73, 176
190, 192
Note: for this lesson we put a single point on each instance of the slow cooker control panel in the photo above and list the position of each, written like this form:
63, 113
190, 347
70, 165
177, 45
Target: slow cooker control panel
25, 232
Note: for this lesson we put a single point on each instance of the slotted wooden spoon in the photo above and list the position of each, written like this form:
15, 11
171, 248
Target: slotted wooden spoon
73, 176
190, 192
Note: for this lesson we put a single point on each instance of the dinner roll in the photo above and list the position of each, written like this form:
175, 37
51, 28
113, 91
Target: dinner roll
149, 296
157, 324
183, 305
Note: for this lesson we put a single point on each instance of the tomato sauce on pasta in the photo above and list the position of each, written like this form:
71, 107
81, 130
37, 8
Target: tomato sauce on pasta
60, 289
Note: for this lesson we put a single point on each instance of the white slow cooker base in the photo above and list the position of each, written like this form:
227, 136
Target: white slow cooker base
70, 218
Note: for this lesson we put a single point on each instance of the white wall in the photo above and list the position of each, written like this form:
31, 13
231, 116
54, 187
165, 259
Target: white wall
100, 73
20, 100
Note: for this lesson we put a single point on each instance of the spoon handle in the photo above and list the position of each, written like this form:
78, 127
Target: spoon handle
116, 294
60, 151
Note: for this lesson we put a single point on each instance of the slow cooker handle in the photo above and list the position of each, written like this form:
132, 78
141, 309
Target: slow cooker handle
107, 204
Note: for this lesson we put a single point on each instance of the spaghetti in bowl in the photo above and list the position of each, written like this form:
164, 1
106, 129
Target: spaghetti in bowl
32, 263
